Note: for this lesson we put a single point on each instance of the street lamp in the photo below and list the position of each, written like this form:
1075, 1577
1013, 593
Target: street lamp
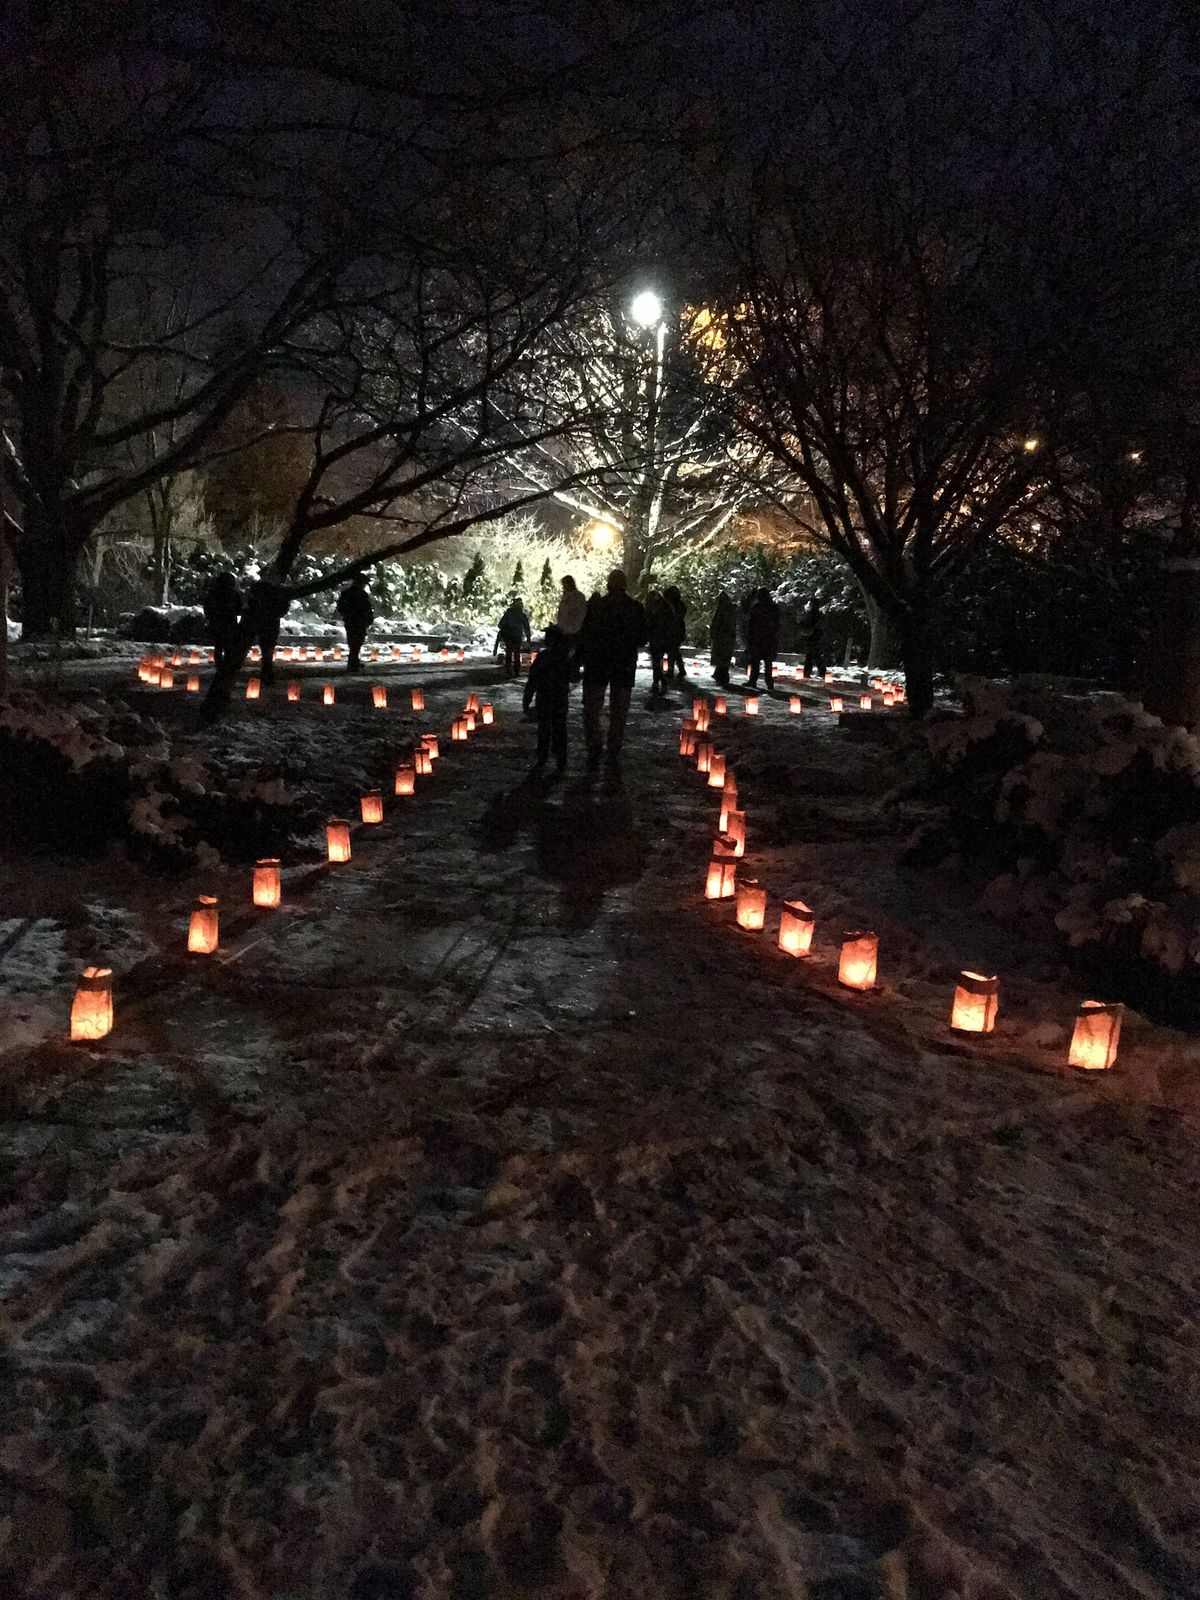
646, 309
601, 534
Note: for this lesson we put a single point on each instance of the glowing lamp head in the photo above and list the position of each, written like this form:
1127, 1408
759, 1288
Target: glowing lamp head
976, 1001
646, 309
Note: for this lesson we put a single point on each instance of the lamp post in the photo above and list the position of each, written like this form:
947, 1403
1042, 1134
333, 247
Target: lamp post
647, 313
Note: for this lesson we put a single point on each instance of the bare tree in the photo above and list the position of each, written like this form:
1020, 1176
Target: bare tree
645, 442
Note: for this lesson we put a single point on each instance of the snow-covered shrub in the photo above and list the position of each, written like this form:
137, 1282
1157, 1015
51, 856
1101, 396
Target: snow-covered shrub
79, 778
1085, 808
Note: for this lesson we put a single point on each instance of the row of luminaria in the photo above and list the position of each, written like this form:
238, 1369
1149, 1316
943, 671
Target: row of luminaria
976, 1000
92, 1007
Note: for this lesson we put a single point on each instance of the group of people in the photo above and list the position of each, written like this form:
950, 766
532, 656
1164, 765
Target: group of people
762, 638
260, 612
597, 639
600, 640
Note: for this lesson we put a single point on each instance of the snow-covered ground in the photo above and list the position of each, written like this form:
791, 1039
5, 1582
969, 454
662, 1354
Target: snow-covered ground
496, 1219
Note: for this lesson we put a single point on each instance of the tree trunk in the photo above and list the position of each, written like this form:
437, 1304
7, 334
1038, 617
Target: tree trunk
917, 654
1172, 680
162, 568
633, 560
46, 559
885, 650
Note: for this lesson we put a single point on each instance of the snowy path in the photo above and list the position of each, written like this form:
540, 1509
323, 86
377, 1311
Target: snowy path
504, 1223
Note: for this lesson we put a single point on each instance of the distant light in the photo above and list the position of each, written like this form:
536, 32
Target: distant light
1135, 456
1031, 445
646, 309
1035, 527
601, 534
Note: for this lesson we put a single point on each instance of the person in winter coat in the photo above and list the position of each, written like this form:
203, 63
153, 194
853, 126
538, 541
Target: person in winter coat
614, 630
678, 632
549, 688
572, 609
812, 629
660, 632
723, 637
222, 608
357, 614
512, 632
762, 638
266, 607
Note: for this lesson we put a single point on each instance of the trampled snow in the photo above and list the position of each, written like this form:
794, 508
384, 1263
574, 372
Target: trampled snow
496, 1219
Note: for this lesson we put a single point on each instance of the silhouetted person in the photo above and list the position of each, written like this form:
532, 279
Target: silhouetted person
614, 630
222, 608
762, 638
812, 630
512, 632
572, 609
660, 630
266, 606
357, 614
549, 687
723, 637
678, 609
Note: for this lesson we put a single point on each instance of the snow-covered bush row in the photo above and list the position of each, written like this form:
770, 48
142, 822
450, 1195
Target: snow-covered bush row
1085, 809
82, 777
